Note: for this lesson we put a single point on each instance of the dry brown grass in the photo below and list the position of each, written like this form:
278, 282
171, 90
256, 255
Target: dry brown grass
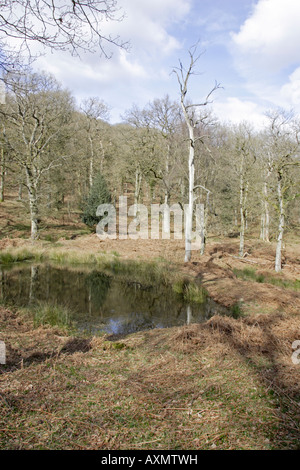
226, 384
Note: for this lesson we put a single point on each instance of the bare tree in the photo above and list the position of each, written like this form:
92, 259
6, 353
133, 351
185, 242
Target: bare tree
141, 141
37, 110
192, 118
95, 111
283, 146
244, 159
2, 162
72, 25
265, 215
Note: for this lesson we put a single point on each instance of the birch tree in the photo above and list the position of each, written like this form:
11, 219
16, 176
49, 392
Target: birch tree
95, 111
245, 158
2, 162
283, 147
265, 163
142, 144
164, 117
265, 216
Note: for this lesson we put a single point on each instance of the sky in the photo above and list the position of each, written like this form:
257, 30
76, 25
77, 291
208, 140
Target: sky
250, 47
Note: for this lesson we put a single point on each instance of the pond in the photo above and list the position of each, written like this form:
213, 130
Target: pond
102, 302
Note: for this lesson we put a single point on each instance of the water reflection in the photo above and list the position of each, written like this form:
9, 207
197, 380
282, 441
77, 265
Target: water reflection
102, 302
34, 271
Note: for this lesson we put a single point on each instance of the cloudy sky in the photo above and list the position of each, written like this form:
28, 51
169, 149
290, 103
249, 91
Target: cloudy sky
251, 47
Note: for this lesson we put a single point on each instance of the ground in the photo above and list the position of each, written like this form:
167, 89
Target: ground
229, 383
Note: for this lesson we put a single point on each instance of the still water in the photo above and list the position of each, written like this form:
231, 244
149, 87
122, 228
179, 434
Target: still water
102, 302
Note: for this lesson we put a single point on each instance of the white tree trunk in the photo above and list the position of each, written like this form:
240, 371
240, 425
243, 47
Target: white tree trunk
2, 175
188, 315
166, 216
189, 215
201, 225
33, 281
235, 218
102, 156
20, 192
242, 216
267, 214
242, 234
137, 192
191, 119
281, 226
182, 188
33, 204
262, 225
265, 217
91, 172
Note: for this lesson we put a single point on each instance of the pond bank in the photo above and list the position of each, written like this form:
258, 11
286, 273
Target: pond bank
118, 298
217, 270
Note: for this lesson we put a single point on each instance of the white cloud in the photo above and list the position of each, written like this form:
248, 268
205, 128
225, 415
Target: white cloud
265, 49
145, 26
146, 22
127, 77
234, 110
290, 92
268, 41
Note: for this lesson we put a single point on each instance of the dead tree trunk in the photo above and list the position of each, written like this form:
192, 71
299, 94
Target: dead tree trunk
33, 204
281, 223
2, 174
243, 209
192, 119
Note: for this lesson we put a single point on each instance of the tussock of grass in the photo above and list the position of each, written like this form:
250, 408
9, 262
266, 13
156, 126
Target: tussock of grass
195, 293
36, 254
190, 291
7, 257
72, 258
52, 315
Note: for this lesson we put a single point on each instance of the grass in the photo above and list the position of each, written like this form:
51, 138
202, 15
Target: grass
226, 384
190, 291
236, 310
45, 314
174, 389
152, 270
251, 274
8, 257
53, 315
52, 253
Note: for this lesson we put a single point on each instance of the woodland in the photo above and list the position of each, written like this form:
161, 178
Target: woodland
228, 380
56, 155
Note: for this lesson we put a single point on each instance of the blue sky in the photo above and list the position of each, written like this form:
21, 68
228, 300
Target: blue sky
251, 47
